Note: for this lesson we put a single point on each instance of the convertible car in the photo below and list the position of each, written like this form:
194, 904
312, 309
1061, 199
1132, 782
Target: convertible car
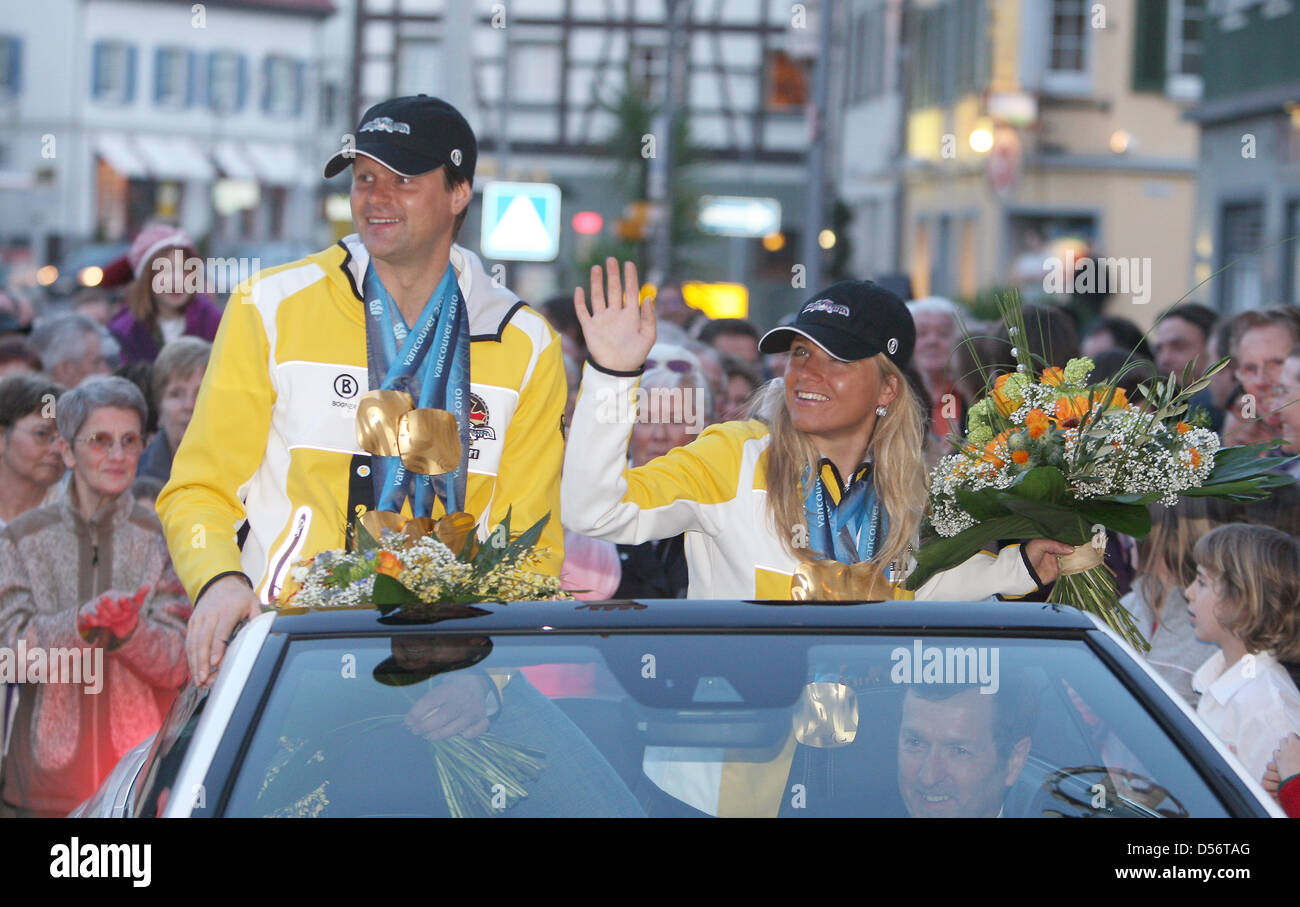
682, 708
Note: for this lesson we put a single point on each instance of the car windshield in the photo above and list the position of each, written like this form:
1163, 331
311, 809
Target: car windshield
758, 724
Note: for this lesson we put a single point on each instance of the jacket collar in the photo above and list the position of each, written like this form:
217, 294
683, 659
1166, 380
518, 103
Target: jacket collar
489, 306
111, 513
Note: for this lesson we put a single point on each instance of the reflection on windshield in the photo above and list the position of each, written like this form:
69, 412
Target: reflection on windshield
701, 725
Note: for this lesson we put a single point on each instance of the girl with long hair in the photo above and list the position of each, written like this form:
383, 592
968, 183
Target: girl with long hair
832, 476
162, 303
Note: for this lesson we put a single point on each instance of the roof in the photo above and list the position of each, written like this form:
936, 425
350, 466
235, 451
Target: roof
319, 8
1029, 618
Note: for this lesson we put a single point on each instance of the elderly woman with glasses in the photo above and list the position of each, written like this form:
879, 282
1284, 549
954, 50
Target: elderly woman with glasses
87, 591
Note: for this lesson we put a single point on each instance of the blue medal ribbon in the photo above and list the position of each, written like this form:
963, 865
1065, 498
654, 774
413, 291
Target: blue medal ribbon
845, 528
432, 365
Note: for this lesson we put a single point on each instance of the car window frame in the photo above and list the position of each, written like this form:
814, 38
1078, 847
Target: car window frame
1214, 771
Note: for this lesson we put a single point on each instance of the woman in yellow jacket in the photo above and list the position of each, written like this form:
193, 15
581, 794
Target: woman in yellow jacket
758, 499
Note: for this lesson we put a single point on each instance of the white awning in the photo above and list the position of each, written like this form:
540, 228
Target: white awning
234, 161
118, 154
280, 165
172, 158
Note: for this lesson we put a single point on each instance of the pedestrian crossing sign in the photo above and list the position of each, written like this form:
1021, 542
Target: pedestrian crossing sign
521, 221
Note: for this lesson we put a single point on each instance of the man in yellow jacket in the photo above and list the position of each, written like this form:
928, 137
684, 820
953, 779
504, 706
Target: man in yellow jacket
270, 471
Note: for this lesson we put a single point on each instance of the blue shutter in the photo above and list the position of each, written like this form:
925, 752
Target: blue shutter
299, 87
194, 93
158, 85
96, 68
210, 98
15, 65
241, 80
266, 84
130, 73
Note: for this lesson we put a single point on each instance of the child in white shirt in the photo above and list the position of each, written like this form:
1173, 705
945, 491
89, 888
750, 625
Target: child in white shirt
1246, 600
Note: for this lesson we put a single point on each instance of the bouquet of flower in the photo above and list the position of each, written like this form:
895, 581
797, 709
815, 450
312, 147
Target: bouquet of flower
1049, 455
412, 563
427, 567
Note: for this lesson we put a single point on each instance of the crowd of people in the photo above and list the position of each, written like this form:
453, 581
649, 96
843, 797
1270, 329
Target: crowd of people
834, 415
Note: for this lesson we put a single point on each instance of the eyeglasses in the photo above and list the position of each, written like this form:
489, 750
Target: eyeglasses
1252, 371
132, 445
42, 436
680, 366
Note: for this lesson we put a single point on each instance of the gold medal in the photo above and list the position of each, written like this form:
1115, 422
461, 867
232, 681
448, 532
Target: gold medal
379, 415
453, 529
428, 441
417, 527
376, 521
827, 580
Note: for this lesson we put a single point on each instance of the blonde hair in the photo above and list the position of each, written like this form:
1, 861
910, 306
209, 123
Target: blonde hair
1165, 555
1257, 569
899, 472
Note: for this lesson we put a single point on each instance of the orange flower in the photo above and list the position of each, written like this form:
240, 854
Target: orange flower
1053, 377
1020, 457
991, 454
1037, 423
388, 564
1182, 428
1196, 458
1070, 411
1118, 400
1005, 404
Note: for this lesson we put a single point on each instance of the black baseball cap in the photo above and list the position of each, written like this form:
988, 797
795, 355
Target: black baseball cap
851, 320
410, 136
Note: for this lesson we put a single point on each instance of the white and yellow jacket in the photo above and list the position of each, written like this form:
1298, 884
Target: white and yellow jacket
714, 490
273, 440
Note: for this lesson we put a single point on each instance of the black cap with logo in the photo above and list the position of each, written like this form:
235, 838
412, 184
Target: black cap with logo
851, 320
410, 136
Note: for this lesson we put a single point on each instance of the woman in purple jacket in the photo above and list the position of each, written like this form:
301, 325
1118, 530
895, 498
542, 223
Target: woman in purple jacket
158, 308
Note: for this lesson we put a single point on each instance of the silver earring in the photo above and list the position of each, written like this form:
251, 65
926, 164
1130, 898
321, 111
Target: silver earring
881, 411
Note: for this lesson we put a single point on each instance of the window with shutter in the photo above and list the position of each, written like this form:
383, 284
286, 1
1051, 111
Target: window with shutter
224, 81
1069, 48
1241, 286
171, 77
1186, 35
112, 78
11, 65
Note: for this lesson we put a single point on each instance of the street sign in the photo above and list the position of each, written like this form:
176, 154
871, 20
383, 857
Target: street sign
521, 221
733, 215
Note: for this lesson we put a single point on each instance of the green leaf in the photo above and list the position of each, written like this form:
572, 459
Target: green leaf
944, 553
1136, 497
1045, 484
1130, 519
982, 504
1043, 514
389, 593
527, 539
365, 541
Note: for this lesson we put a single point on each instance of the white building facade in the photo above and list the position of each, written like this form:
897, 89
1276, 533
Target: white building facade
117, 112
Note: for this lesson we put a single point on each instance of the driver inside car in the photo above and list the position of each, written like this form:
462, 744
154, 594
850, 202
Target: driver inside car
961, 749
